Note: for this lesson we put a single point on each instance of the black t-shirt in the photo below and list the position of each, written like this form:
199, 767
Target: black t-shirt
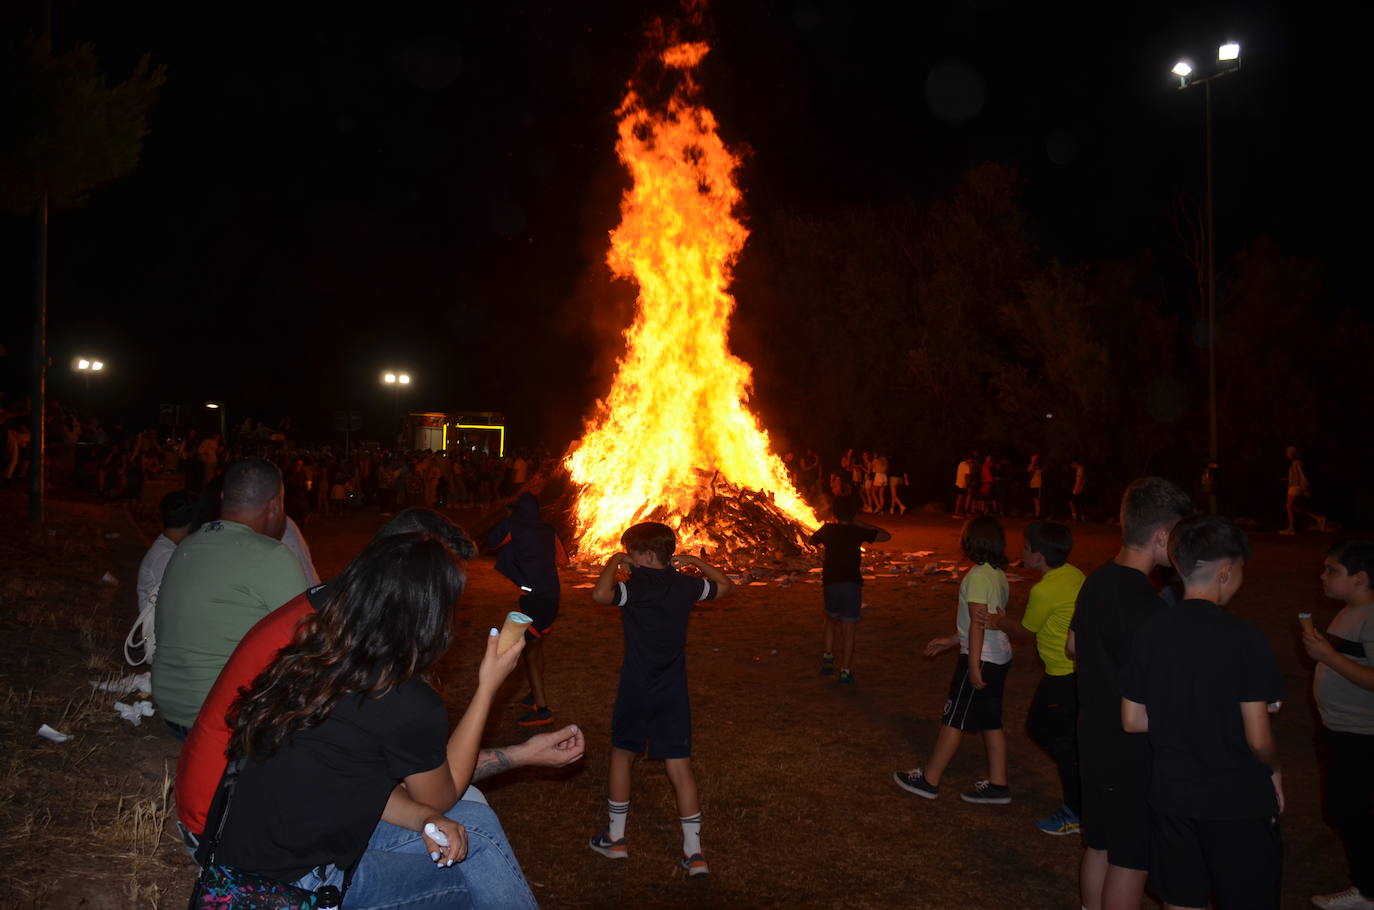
654, 607
842, 557
316, 799
1191, 668
1114, 602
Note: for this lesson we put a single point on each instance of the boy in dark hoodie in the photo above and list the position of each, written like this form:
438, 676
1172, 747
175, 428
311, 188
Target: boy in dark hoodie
529, 554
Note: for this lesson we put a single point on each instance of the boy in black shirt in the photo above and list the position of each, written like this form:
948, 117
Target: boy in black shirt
1199, 682
842, 580
1113, 603
652, 713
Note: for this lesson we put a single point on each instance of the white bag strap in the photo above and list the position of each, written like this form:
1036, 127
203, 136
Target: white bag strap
141, 635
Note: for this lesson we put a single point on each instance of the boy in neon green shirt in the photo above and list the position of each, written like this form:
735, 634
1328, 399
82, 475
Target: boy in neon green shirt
1053, 718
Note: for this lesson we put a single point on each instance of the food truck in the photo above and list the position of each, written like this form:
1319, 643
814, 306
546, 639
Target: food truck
466, 431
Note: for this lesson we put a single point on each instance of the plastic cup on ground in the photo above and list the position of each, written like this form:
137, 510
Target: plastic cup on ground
513, 630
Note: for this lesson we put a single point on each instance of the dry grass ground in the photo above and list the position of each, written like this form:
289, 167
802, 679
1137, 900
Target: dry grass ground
795, 771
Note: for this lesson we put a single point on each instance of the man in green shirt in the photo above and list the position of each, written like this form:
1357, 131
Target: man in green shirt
1053, 718
220, 581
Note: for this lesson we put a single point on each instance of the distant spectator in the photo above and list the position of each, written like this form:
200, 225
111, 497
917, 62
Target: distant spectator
1080, 486
1035, 478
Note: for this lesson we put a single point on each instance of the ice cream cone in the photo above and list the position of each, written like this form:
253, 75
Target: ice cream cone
512, 631
1306, 620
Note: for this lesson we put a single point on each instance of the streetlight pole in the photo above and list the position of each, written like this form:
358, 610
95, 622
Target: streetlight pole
1228, 60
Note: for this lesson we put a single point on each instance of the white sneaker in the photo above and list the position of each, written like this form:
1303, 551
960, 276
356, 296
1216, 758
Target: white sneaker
1349, 899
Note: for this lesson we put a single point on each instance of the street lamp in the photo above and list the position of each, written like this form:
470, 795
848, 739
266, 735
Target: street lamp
396, 379
86, 366
1228, 62
220, 407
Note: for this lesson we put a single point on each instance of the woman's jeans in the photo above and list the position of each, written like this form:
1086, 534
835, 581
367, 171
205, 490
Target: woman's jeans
396, 871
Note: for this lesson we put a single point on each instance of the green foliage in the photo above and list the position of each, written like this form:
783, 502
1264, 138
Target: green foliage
67, 131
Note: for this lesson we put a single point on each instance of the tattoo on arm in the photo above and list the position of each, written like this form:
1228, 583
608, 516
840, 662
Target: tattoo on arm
490, 762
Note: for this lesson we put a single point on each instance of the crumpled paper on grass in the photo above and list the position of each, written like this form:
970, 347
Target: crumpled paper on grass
134, 713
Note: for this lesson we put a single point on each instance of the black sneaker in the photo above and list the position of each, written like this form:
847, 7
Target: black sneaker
827, 664
987, 793
914, 781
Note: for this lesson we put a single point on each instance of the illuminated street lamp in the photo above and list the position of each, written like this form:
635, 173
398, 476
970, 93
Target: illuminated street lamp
396, 379
221, 408
86, 366
1228, 62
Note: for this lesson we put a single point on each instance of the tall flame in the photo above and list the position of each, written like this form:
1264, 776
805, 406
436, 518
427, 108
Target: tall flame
677, 413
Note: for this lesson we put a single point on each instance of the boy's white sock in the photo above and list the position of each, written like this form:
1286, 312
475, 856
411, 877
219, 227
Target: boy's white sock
691, 834
619, 812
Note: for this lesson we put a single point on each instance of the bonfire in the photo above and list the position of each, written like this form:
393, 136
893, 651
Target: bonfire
675, 440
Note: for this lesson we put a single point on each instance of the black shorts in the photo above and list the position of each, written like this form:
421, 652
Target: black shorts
1117, 819
1239, 861
656, 724
974, 710
543, 609
844, 600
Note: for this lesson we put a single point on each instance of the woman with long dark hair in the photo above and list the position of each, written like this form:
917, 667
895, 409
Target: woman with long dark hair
347, 756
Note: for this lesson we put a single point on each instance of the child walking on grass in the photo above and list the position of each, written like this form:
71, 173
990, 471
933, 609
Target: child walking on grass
842, 580
975, 692
652, 713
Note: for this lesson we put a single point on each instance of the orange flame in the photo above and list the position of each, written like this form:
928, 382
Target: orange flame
678, 409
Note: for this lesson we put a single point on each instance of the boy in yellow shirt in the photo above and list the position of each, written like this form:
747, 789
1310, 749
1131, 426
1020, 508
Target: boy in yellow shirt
1053, 719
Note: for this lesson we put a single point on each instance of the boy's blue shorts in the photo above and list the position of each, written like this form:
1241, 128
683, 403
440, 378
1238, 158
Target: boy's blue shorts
653, 723
843, 600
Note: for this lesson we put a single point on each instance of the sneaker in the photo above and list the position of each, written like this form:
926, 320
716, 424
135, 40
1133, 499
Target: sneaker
695, 865
1060, 823
988, 793
914, 781
528, 702
1349, 899
611, 849
846, 677
827, 664
536, 718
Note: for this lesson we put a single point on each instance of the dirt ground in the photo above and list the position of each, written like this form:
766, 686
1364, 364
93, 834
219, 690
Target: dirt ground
795, 771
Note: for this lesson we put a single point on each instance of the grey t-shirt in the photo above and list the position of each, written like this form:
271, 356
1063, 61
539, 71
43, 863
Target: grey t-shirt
1345, 706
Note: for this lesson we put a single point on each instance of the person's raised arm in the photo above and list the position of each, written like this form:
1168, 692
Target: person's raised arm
884, 535
723, 583
1259, 736
444, 790
604, 592
1134, 717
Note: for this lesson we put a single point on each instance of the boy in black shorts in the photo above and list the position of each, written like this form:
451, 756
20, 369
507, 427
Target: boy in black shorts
842, 581
529, 554
652, 713
1200, 682
1113, 603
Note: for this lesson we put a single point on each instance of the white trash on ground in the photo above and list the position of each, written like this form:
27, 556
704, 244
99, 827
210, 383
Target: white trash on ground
141, 682
134, 713
49, 733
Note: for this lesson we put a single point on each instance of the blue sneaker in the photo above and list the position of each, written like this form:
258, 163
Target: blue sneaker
1060, 823
611, 849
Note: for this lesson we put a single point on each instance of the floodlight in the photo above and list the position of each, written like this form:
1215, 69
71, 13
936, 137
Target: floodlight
97, 365
1229, 51
212, 405
389, 378
1182, 69
404, 379
83, 364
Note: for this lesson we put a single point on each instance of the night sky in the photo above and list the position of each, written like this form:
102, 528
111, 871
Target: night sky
330, 189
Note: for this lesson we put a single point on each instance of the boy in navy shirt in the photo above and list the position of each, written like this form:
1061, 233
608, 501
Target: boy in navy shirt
652, 713
842, 580
1199, 681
